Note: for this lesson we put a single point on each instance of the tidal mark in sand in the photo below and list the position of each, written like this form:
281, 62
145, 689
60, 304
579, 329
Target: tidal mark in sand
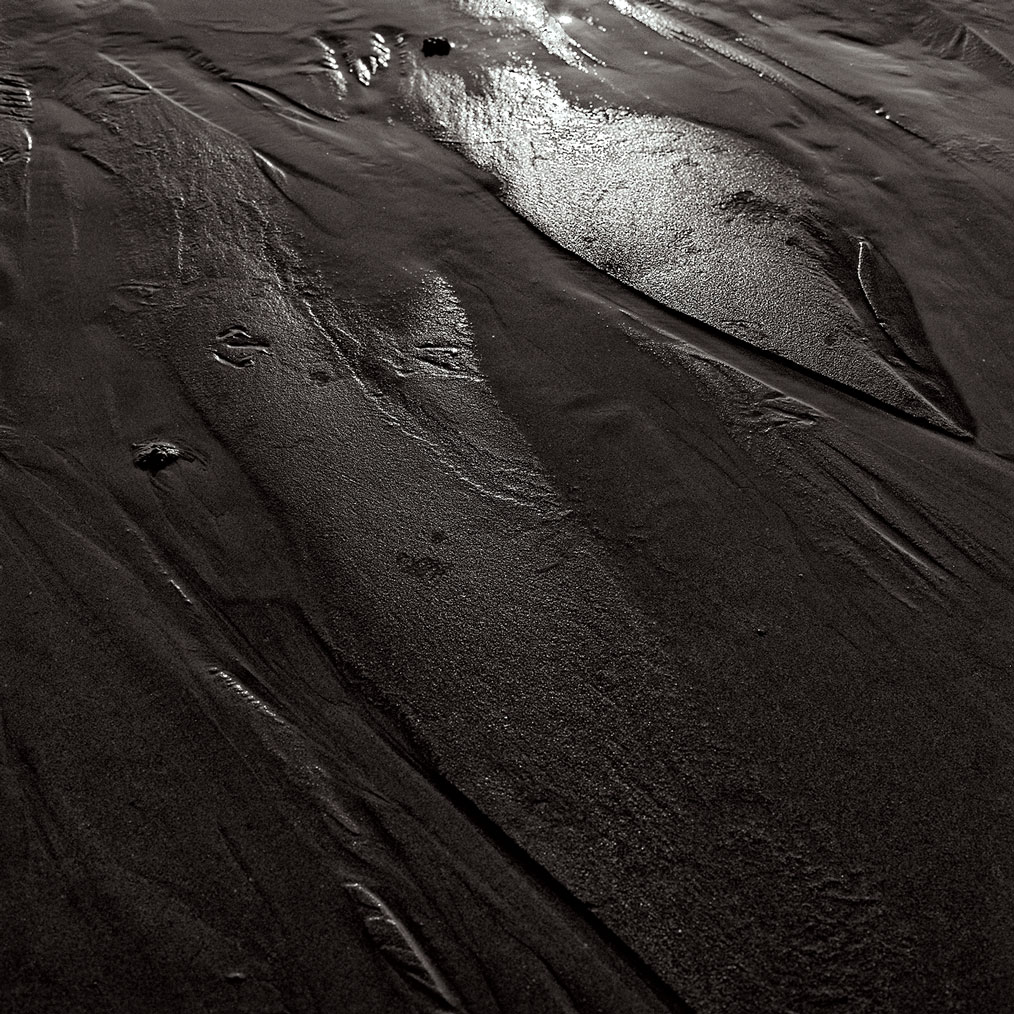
402, 951
415, 360
951, 39
234, 347
907, 350
15, 99
280, 103
122, 91
169, 93
19, 151
132, 297
292, 748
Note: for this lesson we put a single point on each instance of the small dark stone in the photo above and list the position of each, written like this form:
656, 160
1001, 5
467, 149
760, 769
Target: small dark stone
435, 46
439, 536
154, 455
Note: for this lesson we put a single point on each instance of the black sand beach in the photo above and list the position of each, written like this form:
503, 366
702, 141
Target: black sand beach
507, 506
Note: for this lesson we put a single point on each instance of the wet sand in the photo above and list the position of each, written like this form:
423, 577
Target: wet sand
520, 528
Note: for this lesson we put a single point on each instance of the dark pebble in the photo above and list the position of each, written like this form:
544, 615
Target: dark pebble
435, 47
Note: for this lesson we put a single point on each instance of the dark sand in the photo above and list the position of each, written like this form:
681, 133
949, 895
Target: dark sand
522, 528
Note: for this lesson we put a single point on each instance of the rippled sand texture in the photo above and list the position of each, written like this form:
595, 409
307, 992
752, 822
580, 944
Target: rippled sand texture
521, 529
